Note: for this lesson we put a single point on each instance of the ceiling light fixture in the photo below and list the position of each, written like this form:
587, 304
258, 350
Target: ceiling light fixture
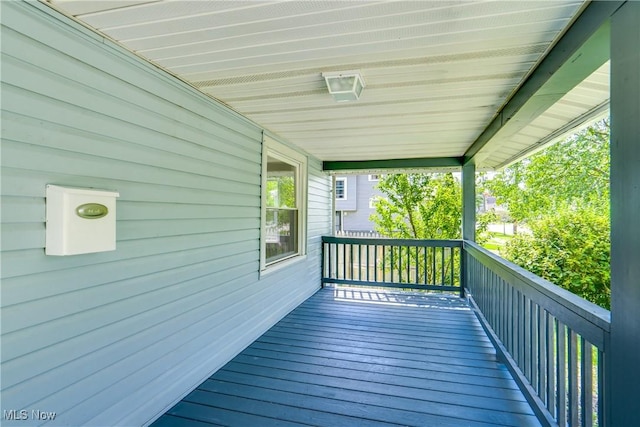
344, 85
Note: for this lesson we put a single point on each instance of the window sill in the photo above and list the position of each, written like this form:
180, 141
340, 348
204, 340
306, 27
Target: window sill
280, 265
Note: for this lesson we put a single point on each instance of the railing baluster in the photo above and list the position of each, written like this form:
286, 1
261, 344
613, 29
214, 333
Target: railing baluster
490, 290
573, 373
344, 262
401, 255
452, 253
351, 261
499, 301
602, 396
368, 263
375, 263
425, 262
335, 260
355, 249
332, 264
399, 264
502, 304
518, 329
391, 261
522, 301
384, 267
495, 294
528, 356
516, 324
506, 318
551, 364
562, 374
359, 262
409, 265
513, 316
586, 385
433, 266
325, 260
442, 268
542, 354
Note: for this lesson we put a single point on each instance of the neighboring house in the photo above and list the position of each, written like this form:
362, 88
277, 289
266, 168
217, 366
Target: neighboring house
488, 203
356, 196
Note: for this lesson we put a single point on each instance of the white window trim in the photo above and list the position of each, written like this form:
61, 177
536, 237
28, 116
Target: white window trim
273, 148
344, 188
375, 199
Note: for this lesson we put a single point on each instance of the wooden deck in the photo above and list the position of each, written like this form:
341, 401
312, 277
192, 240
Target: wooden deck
359, 357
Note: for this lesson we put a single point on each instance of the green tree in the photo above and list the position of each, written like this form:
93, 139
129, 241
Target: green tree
562, 193
419, 206
422, 206
573, 172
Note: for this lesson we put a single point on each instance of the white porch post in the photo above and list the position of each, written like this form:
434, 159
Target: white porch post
624, 355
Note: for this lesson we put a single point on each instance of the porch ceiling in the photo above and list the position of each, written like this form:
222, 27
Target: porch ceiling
437, 73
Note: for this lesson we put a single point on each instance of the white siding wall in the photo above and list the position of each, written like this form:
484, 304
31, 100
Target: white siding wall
115, 338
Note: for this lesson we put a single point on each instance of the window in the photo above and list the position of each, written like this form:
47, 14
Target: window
341, 189
283, 190
373, 201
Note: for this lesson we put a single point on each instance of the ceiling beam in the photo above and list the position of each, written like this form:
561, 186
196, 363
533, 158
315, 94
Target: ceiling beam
578, 53
427, 162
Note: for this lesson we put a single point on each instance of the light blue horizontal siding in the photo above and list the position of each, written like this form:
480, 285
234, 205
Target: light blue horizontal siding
115, 338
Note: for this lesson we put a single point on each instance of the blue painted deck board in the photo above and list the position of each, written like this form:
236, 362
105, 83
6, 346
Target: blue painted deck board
366, 358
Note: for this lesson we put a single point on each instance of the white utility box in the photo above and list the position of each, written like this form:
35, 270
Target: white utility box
80, 220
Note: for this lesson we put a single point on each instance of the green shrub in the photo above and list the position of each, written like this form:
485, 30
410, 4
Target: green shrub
570, 248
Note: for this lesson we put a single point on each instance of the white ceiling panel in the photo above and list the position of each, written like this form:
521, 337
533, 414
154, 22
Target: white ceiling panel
84, 7
436, 72
584, 104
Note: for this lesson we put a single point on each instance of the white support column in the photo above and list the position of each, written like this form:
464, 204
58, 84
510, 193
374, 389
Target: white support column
469, 201
624, 353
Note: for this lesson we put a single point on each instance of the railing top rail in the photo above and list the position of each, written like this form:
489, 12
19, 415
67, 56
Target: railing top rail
558, 300
393, 242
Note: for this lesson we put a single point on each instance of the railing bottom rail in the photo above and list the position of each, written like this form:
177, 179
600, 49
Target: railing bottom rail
326, 281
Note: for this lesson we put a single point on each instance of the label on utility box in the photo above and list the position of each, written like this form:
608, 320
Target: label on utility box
92, 211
